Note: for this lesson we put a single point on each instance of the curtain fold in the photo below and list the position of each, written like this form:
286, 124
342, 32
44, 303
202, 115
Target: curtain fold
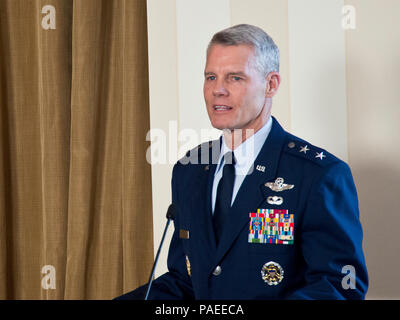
75, 187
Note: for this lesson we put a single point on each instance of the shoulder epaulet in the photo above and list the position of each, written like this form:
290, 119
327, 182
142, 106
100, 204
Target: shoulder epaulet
302, 149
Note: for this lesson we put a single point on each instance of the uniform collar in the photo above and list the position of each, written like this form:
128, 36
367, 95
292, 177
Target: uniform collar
246, 152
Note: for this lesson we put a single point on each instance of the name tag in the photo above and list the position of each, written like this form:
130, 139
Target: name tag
183, 234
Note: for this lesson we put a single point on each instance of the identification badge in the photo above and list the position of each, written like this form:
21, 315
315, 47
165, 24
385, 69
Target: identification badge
183, 234
271, 226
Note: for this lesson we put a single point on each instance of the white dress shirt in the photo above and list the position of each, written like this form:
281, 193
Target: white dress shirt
245, 155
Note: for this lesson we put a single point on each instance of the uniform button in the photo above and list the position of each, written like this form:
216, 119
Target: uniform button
217, 271
291, 145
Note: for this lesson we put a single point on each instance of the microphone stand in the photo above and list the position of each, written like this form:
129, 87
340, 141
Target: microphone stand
170, 216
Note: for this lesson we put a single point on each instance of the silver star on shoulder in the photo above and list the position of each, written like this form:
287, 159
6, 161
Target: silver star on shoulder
304, 149
320, 155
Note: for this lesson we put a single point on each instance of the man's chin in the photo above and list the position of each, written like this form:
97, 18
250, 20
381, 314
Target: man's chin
221, 126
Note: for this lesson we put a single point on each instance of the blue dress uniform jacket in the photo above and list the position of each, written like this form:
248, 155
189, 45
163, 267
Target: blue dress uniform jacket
327, 231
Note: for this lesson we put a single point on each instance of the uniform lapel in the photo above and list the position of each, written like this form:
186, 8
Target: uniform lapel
201, 210
250, 194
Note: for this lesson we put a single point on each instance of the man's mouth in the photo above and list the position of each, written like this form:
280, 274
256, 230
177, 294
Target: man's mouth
222, 108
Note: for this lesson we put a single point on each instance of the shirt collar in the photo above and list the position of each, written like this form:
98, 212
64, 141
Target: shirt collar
246, 152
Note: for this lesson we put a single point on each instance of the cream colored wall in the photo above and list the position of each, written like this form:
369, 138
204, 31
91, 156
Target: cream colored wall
317, 74
338, 91
373, 97
163, 76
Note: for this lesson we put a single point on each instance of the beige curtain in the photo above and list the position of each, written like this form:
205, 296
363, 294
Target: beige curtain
75, 187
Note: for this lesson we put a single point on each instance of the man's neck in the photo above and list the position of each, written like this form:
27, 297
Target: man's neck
234, 138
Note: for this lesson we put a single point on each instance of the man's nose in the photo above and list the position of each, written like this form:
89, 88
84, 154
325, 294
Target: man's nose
220, 89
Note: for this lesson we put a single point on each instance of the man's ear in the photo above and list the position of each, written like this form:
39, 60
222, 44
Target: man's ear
273, 81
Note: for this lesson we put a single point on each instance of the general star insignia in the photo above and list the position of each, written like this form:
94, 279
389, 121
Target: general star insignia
278, 185
320, 155
304, 149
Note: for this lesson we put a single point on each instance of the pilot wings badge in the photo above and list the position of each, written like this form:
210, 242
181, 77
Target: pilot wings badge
279, 185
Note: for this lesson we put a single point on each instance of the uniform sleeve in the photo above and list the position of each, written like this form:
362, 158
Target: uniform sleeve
331, 239
175, 284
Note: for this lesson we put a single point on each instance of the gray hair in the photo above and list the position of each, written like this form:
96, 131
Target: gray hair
266, 51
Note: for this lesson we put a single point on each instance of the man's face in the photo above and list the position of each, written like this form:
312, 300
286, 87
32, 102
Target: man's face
234, 90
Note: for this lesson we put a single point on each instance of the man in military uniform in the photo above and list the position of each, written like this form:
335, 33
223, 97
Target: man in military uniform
262, 214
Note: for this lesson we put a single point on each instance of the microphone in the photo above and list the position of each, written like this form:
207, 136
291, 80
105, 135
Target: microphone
171, 212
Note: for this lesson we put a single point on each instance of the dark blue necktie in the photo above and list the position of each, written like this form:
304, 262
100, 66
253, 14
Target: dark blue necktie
224, 195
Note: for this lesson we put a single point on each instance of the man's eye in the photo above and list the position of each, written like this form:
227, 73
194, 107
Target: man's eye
211, 78
236, 78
